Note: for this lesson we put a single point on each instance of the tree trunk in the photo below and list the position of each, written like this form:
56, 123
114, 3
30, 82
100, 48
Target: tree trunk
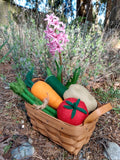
108, 11
84, 9
96, 11
112, 19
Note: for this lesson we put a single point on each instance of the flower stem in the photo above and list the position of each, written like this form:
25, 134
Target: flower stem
60, 58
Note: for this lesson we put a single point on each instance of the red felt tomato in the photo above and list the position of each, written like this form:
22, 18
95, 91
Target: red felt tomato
72, 111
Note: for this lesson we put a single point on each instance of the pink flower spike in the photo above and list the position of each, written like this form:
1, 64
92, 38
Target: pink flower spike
49, 30
62, 26
55, 23
51, 18
55, 34
52, 52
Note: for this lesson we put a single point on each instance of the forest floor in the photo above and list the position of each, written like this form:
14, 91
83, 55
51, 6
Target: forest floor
15, 122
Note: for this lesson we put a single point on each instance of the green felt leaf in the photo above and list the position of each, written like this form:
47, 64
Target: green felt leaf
77, 102
30, 74
82, 110
28, 83
70, 103
73, 113
28, 79
74, 106
68, 107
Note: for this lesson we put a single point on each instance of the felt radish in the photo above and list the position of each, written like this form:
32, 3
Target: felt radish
72, 111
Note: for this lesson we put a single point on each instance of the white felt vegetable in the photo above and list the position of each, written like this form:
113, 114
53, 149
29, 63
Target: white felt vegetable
80, 92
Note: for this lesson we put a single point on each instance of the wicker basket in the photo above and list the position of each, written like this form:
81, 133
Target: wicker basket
70, 137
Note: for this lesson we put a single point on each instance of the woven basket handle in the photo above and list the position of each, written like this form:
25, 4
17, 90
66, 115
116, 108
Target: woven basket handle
98, 112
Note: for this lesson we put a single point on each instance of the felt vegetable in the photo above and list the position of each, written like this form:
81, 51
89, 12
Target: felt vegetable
73, 80
80, 92
72, 111
50, 111
42, 90
20, 88
59, 71
56, 85
55, 82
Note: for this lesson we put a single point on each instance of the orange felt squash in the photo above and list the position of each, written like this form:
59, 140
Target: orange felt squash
43, 90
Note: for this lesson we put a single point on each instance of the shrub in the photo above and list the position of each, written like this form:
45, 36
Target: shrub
108, 95
29, 47
85, 50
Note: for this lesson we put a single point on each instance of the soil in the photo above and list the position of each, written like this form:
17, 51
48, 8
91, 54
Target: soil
15, 128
